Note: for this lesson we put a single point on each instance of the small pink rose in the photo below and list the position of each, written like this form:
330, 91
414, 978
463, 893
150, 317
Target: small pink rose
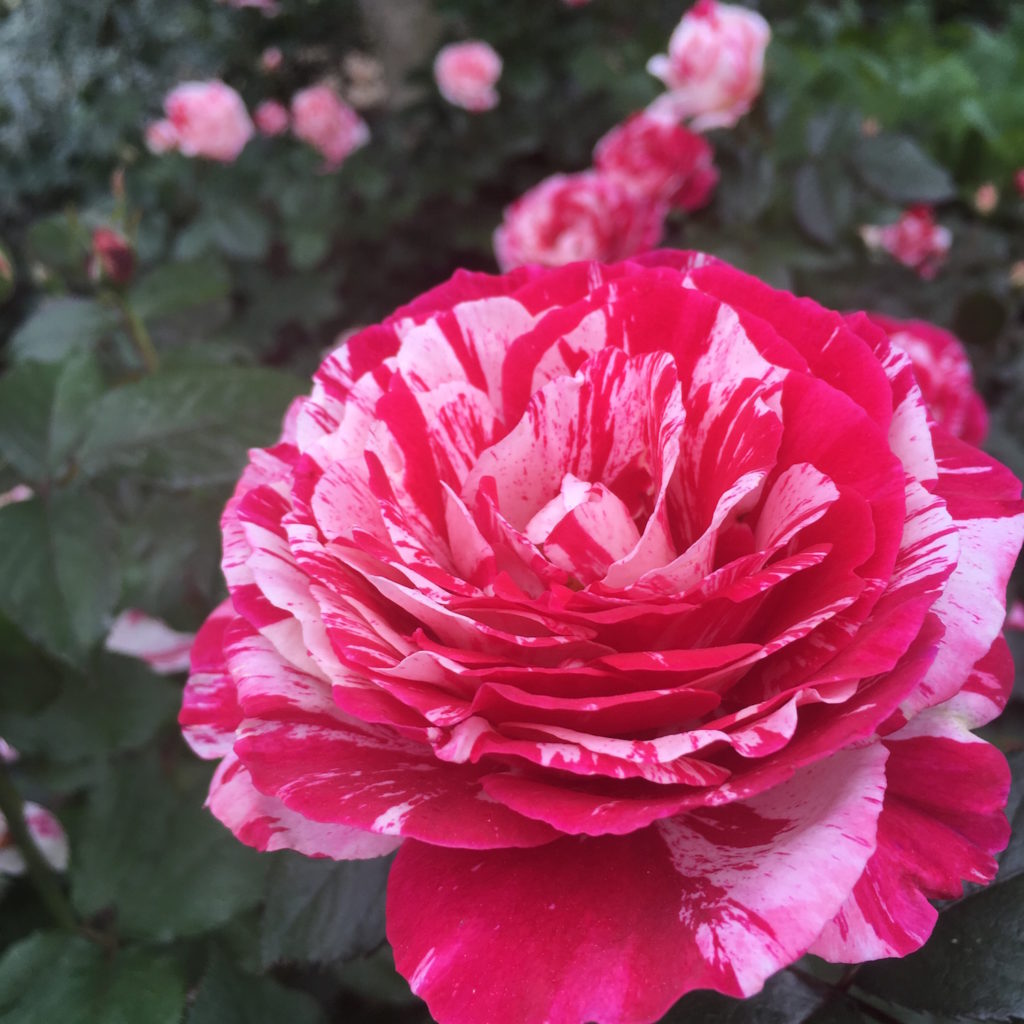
271, 59
466, 74
210, 120
112, 257
324, 120
570, 217
714, 66
271, 118
659, 160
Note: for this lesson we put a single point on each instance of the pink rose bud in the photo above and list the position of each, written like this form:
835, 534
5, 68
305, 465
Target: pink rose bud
112, 258
271, 118
466, 74
1018, 180
46, 833
161, 137
714, 66
210, 120
19, 492
659, 160
271, 59
943, 372
570, 217
986, 199
138, 635
915, 240
324, 120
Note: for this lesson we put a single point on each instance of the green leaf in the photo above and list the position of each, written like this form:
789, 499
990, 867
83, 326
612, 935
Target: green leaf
52, 977
158, 856
118, 706
972, 966
228, 996
785, 1000
58, 327
61, 578
189, 426
44, 409
239, 230
179, 286
319, 911
822, 207
895, 166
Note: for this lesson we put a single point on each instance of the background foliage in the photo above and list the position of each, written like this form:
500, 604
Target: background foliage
129, 411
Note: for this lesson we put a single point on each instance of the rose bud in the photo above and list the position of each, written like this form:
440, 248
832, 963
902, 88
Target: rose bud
112, 258
466, 74
714, 66
570, 217
644, 614
271, 118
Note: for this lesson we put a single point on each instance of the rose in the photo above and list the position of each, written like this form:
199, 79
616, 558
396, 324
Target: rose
570, 217
138, 635
324, 120
111, 258
915, 240
645, 608
466, 74
714, 66
209, 120
44, 830
271, 118
659, 160
943, 372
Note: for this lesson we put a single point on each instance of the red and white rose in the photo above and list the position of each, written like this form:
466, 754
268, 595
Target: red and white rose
714, 66
570, 217
659, 160
943, 372
138, 635
915, 240
643, 608
466, 74
46, 832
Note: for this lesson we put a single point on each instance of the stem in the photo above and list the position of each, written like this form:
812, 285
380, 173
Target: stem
39, 870
140, 336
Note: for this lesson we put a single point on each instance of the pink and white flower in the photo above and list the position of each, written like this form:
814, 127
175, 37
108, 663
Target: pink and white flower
570, 217
272, 118
714, 66
915, 240
466, 74
46, 833
139, 635
943, 372
19, 492
324, 120
659, 160
645, 611
209, 120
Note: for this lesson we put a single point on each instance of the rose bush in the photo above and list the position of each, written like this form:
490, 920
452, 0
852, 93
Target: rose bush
584, 216
943, 372
644, 611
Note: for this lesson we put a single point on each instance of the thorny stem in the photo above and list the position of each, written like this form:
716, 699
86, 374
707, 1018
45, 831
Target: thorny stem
39, 872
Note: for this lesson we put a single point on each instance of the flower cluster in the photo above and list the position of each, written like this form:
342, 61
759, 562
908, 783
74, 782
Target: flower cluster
654, 161
645, 610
